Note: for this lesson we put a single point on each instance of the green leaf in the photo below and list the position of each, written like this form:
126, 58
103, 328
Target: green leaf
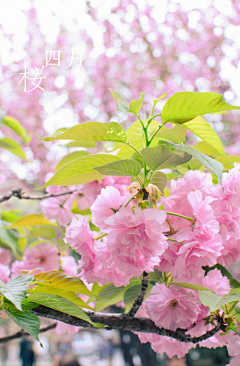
184, 106
207, 149
24, 319
215, 302
192, 286
160, 157
16, 127
211, 164
31, 220
61, 304
228, 160
202, 129
132, 293
70, 157
120, 168
112, 295
176, 134
122, 105
233, 283
13, 147
15, 290
79, 143
209, 299
70, 295
135, 105
63, 281
159, 179
9, 239
43, 232
93, 131
80, 170
27, 305
192, 164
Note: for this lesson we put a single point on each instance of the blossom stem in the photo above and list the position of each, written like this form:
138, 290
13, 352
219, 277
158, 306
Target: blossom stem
130, 200
139, 300
128, 143
100, 237
230, 309
180, 242
192, 220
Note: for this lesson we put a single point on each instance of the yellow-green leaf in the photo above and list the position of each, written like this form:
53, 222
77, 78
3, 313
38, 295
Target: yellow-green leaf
93, 131
70, 157
228, 160
202, 129
80, 170
31, 220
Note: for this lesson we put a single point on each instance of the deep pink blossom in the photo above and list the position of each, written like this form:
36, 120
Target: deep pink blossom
172, 307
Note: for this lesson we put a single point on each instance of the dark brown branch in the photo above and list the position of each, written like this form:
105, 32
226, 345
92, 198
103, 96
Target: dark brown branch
136, 324
138, 302
22, 333
20, 195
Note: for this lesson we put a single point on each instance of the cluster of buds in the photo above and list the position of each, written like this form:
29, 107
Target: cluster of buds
145, 196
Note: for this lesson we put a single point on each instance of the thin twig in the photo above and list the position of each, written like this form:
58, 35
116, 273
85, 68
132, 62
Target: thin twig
135, 324
18, 193
139, 300
22, 333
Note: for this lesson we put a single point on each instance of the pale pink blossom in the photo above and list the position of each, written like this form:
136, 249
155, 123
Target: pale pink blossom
233, 346
215, 281
5, 256
135, 239
102, 268
172, 307
66, 328
4, 273
106, 205
163, 344
192, 256
57, 208
69, 265
80, 237
43, 256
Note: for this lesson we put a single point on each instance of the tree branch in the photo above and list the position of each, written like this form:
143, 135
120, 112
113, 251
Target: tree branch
115, 321
138, 302
18, 193
22, 333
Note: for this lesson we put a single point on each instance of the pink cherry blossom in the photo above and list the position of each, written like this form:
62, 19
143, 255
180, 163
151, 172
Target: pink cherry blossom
43, 256
215, 281
106, 204
233, 346
69, 265
57, 208
66, 328
80, 237
135, 239
194, 255
5, 256
172, 307
4, 273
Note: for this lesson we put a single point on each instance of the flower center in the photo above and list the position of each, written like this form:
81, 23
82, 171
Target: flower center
42, 260
173, 304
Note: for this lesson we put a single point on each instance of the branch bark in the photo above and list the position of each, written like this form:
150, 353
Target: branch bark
136, 324
138, 302
22, 333
20, 195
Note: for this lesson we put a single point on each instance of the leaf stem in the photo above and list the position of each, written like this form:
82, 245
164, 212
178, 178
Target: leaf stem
192, 220
230, 309
128, 143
